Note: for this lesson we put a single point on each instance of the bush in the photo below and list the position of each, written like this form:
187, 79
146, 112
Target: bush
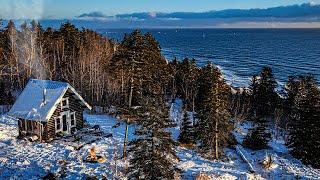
257, 139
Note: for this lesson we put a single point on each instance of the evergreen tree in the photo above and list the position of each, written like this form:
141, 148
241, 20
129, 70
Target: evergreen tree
264, 98
304, 139
186, 133
133, 65
264, 101
266, 94
186, 79
214, 127
257, 137
153, 149
173, 71
3, 96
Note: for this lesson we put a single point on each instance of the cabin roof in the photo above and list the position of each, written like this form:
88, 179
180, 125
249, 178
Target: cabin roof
40, 98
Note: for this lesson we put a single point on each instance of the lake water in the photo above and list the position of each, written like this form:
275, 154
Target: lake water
241, 53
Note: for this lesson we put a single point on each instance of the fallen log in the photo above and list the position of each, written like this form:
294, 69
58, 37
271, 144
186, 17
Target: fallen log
239, 150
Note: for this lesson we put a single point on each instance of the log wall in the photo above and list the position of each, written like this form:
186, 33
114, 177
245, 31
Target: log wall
74, 106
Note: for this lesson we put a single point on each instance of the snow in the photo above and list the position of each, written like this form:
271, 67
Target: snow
24, 160
234, 167
176, 114
284, 165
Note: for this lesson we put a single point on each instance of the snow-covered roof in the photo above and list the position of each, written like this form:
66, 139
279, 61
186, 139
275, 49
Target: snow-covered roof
30, 105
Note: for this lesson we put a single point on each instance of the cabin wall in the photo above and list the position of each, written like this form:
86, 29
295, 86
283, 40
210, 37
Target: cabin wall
74, 106
28, 128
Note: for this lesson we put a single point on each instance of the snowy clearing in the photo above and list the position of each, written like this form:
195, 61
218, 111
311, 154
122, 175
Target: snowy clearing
24, 160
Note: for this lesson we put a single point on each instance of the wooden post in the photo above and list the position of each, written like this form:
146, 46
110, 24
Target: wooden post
40, 131
25, 126
125, 141
32, 127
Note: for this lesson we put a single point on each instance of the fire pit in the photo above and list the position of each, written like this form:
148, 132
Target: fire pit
94, 158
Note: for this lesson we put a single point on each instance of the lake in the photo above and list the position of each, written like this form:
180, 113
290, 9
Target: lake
241, 53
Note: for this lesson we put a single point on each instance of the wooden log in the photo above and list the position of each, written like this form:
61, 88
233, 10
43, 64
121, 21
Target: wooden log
239, 150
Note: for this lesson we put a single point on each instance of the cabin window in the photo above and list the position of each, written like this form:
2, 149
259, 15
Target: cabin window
29, 126
20, 124
73, 119
65, 103
58, 124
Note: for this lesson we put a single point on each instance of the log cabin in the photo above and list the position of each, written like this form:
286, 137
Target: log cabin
47, 109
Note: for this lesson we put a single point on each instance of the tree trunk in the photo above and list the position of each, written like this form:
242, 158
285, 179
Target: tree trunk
216, 141
125, 141
131, 92
126, 133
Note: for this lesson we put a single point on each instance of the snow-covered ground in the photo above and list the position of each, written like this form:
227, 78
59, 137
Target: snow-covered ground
24, 160
284, 165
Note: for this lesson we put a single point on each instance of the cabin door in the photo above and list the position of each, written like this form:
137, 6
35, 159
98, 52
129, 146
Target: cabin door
65, 116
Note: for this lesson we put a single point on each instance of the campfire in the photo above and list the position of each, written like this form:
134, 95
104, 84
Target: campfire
94, 158
93, 155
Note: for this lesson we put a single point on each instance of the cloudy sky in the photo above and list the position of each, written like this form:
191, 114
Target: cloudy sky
66, 9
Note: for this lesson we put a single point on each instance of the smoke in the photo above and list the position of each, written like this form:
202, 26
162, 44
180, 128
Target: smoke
26, 48
22, 9
30, 54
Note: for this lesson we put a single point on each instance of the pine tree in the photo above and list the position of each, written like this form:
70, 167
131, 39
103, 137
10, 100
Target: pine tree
257, 137
264, 98
186, 79
214, 127
304, 139
153, 149
132, 65
264, 101
186, 135
266, 94
3, 96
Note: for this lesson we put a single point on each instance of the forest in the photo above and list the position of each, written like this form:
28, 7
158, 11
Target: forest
135, 78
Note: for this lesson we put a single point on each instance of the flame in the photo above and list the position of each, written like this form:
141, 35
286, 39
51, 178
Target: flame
93, 155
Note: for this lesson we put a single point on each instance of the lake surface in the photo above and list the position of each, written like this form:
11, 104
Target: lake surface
241, 53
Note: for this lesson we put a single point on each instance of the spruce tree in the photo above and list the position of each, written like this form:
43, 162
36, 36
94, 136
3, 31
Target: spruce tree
132, 65
266, 94
304, 139
186, 79
3, 96
213, 129
257, 137
264, 101
186, 133
152, 150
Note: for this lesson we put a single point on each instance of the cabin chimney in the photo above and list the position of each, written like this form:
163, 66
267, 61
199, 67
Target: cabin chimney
44, 96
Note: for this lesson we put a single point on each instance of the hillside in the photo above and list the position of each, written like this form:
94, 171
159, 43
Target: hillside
20, 159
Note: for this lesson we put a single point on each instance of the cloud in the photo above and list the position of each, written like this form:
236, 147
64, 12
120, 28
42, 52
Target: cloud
304, 15
304, 10
92, 15
313, 3
153, 14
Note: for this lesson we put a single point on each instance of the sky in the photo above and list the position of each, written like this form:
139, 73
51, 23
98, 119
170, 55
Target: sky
68, 9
